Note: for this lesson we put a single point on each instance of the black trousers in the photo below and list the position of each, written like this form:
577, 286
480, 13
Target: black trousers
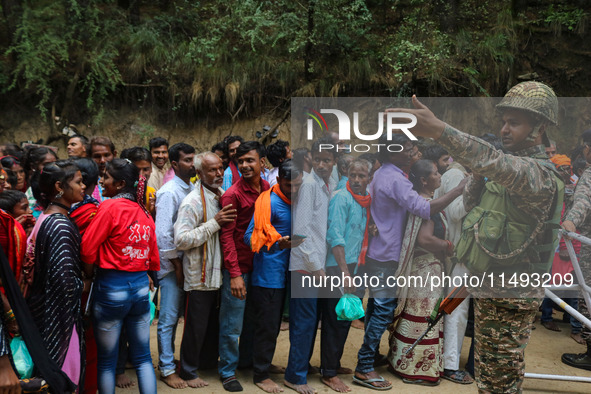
334, 332
267, 307
199, 347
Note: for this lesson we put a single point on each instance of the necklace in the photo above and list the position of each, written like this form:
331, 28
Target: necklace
57, 204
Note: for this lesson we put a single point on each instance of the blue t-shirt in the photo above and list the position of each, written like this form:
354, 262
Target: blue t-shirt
346, 227
342, 183
270, 266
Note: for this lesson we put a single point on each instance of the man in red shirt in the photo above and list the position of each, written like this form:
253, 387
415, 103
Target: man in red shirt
238, 266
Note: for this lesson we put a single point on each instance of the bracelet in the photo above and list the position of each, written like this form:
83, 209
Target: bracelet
450, 246
9, 316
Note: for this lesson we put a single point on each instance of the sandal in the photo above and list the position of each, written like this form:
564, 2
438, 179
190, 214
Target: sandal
461, 377
368, 383
421, 382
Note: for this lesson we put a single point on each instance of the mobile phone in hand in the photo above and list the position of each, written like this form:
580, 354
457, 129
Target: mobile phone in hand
297, 237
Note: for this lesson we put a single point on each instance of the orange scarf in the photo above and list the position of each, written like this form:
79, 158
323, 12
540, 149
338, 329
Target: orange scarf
365, 202
264, 233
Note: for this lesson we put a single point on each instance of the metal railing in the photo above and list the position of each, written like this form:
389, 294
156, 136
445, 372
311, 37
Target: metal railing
585, 290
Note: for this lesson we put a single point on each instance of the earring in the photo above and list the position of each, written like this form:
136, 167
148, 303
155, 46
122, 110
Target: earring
59, 195
118, 187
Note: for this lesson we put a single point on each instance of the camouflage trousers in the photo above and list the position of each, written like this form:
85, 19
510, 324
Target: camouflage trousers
585, 263
502, 328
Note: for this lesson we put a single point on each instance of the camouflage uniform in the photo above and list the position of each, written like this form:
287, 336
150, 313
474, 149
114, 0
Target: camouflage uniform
503, 325
580, 215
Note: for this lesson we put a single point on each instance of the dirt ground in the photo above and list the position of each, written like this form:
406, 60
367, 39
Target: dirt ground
542, 356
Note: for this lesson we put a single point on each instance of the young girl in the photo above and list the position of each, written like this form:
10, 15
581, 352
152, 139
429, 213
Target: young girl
12, 164
55, 295
17, 205
121, 241
34, 160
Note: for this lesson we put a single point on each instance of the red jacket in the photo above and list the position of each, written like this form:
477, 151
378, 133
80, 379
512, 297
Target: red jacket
121, 236
83, 215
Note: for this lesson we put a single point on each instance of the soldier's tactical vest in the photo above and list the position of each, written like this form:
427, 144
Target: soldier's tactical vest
496, 236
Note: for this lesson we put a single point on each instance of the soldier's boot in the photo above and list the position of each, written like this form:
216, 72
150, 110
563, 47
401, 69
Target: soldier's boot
582, 360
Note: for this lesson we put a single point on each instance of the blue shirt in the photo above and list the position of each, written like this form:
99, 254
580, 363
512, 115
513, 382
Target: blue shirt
342, 183
270, 265
346, 227
228, 177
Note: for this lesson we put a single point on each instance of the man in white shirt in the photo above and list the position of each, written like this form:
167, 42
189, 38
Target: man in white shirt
310, 219
170, 276
455, 323
196, 232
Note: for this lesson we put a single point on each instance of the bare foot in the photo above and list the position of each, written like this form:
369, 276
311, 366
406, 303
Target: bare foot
174, 381
336, 384
578, 338
269, 386
300, 388
284, 326
122, 381
358, 324
196, 383
344, 371
373, 375
276, 369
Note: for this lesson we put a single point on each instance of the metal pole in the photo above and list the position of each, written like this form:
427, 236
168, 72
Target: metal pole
576, 266
585, 289
557, 377
569, 309
564, 288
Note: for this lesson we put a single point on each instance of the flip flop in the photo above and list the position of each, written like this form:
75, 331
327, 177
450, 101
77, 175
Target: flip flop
420, 382
461, 377
368, 383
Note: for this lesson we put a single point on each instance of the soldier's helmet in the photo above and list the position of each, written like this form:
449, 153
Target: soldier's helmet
533, 97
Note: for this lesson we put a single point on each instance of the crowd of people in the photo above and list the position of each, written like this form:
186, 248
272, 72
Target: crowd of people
226, 238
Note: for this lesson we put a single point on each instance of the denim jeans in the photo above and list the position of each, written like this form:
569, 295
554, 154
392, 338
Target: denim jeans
236, 329
171, 301
121, 298
379, 314
548, 307
303, 322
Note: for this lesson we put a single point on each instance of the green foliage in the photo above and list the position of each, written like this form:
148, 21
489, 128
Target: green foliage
62, 43
566, 17
487, 56
240, 57
41, 52
419, 50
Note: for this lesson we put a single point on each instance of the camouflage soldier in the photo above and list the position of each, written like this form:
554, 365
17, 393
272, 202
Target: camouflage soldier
578, 217
508, 227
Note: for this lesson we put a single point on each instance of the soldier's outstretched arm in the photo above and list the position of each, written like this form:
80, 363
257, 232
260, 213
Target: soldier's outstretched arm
520, 175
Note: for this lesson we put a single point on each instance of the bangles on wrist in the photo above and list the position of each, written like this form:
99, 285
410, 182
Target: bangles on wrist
9, 316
